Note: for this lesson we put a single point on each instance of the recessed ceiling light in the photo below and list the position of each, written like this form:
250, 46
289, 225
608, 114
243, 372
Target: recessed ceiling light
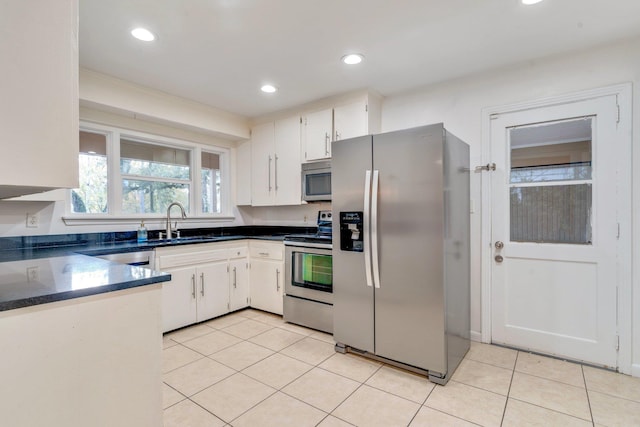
143, 34
268, 88
352, 59
530, 2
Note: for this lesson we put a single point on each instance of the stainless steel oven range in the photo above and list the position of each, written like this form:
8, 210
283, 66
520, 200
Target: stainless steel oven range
308, 299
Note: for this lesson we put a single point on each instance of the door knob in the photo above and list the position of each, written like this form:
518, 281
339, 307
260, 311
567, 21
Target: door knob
499, 258
499, 245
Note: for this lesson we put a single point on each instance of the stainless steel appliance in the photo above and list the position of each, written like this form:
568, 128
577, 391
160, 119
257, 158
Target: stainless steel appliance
308, 298
401, 259
316, 181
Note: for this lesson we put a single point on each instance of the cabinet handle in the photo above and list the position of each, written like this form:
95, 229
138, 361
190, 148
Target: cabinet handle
263, 253
337, 136
193, 285
278, 279
326, 143
270, 173
276, 174
202, 284
235, 277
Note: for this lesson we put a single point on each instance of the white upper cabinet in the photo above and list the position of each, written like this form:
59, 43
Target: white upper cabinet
39, 87
350, 120
318, 127
275, 163
344, 120
287, 170
243, 173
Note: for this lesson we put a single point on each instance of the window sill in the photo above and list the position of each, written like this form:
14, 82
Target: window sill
135, 220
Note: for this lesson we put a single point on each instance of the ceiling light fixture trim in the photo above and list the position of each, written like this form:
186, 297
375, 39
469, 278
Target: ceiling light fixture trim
143, 34
530, 2
352, 58
268, 88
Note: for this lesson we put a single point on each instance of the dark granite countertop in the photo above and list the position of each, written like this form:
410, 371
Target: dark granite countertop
41, 269
43, 280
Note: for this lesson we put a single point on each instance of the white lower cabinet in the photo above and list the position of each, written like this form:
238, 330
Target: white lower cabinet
179, 298
203, 282
239, 284
212, 279
213, 290
267, 275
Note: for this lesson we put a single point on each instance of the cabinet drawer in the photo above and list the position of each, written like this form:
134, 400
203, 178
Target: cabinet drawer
178, 260
238, 252
274, 252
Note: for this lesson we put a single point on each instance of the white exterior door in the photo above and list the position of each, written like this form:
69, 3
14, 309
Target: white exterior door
555, 230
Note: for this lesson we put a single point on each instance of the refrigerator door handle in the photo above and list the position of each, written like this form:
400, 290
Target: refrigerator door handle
365, 226
374, 230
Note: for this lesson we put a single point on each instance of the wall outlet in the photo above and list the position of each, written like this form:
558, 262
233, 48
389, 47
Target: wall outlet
32, 221
33, 275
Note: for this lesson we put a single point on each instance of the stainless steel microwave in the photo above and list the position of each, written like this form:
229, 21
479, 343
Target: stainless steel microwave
316, 181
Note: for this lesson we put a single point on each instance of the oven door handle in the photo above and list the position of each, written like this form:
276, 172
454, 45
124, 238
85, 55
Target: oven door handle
309, 245
365, 225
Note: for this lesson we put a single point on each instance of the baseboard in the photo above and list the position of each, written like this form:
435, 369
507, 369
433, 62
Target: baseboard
635, 370
476, 336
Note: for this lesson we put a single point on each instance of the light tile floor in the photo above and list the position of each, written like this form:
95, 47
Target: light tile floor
249, 368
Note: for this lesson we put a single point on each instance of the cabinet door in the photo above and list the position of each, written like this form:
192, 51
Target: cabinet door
243, 173
350, 120
262, 165
267, 285
179, 299
39, 85
213, 290
238, 284
318, 127
287, 162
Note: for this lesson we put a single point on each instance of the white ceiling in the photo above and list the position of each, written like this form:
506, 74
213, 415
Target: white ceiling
219, 52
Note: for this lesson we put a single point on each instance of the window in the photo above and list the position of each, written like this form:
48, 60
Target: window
125, 174
210, 172
153, 177
91, 197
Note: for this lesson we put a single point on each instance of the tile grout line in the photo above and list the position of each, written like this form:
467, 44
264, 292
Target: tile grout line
506, 402
586, 390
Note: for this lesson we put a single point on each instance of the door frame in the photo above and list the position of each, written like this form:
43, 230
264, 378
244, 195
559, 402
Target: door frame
623, 92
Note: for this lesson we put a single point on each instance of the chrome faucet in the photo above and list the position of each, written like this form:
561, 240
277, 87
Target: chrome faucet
184, 216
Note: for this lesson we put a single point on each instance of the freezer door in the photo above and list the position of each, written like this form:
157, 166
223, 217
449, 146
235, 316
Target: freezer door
409, 304
353, 297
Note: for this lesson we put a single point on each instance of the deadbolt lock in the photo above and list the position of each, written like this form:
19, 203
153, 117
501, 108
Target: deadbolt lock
499, 245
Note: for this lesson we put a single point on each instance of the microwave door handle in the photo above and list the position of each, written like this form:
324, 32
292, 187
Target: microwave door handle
374, 230
365, 226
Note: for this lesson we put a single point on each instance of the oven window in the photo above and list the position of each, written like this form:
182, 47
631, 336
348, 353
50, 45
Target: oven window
313, 271
318, 184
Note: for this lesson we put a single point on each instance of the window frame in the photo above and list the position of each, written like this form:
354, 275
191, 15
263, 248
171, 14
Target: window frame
114, 212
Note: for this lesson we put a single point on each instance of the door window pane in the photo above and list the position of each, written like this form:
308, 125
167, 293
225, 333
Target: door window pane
551, 214
551, 182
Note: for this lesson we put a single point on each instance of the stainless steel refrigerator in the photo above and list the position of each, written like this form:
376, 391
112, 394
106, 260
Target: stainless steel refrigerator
400, 202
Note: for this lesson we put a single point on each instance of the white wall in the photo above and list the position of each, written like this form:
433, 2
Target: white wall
459, 105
